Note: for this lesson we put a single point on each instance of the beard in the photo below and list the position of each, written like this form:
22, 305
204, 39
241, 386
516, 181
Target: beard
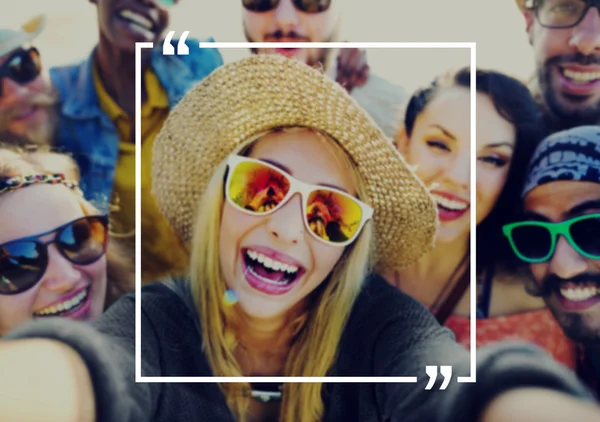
571, 110
581, 327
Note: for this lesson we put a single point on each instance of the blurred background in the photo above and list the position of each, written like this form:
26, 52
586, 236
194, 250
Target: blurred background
71, 32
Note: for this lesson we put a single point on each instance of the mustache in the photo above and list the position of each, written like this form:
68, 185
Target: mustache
37, 99
279, 34
552, 283
584, 60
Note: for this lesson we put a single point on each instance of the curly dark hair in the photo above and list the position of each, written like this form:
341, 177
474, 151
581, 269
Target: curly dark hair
515, 103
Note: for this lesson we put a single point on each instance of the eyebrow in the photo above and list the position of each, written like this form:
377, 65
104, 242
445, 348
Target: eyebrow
573, 212
445, 131
583, 207
287, 170
500, 144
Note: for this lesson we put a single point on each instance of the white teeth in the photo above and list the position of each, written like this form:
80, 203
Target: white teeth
579, 294
271, 263
63, 306
449, 203
137, 18
581, 77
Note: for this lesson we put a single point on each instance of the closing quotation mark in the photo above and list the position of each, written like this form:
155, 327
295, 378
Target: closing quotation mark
432, 372
182, 48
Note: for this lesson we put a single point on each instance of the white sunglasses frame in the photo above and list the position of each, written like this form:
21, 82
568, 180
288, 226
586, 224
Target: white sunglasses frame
296, 186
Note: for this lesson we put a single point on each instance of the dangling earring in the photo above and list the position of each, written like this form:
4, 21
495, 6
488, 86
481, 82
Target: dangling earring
230, 297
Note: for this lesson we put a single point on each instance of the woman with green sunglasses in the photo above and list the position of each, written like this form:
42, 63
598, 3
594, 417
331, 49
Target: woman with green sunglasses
288, 195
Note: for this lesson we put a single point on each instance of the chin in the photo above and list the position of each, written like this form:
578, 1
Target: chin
261, 309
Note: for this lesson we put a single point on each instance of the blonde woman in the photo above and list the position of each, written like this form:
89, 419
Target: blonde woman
55, 255
288, 194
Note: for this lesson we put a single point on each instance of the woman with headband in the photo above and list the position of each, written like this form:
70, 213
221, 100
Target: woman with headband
289, 195
55, 260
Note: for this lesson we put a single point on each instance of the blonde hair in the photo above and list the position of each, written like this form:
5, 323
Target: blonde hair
318, 331
18, 161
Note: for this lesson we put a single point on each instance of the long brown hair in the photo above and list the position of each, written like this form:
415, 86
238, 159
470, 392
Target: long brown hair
23, 160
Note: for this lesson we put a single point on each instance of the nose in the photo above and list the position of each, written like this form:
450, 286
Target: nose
60, 276
459, 170
566, 263
286, 224
586, 35
286, 16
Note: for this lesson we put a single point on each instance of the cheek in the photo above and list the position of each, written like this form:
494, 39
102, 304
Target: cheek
256, 24
428, 164
324, 258
97, 272
539, 272
548, 44
235, 226
37, 85
319, 27
489, 187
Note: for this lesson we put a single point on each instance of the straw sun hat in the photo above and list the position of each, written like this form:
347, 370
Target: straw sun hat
263, 92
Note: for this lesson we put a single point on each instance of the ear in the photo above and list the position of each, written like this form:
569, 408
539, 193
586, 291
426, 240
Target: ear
401, 141
529, 16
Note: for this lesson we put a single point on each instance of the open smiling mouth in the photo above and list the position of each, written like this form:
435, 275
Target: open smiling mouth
66, 308
269, 275
578, 295
579, 77
138, 23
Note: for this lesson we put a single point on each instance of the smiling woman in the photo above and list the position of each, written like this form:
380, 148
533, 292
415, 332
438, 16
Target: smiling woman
289, 195
54, 256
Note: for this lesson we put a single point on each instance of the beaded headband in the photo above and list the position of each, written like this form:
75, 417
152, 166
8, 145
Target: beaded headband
13, 183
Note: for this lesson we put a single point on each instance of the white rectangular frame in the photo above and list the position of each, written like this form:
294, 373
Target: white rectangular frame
138, 199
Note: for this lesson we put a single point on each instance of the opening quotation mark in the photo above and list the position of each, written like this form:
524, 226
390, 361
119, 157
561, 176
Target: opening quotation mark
182, 48
432, 373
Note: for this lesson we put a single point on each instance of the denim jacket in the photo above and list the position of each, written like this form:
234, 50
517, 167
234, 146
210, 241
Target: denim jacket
89, 135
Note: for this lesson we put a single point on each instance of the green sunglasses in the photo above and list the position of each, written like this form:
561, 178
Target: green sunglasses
535, 241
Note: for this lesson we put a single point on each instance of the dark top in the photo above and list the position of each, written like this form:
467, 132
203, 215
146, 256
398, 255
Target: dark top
388, 333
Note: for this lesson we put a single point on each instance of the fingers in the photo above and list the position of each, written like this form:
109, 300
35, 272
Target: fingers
352, 68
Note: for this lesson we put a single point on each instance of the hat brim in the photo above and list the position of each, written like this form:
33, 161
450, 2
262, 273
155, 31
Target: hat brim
254, 95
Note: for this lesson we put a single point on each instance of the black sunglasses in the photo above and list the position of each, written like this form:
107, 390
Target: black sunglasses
557, 14
306, 6
23, 262
23, 66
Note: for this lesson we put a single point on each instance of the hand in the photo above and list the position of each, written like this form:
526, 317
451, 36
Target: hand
44, 380
352, 68
534, 404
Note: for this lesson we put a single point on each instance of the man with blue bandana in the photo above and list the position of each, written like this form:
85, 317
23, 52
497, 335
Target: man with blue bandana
559, 237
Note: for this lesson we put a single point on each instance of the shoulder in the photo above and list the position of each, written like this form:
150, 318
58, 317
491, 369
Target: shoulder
381, 307
66, 77
166, 307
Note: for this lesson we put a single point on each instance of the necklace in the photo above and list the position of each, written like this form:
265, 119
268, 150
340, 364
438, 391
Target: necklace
266, 392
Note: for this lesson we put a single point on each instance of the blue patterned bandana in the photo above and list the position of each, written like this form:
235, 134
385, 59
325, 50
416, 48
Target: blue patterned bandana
572, 154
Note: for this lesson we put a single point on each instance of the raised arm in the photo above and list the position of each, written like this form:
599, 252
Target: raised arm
66, 370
